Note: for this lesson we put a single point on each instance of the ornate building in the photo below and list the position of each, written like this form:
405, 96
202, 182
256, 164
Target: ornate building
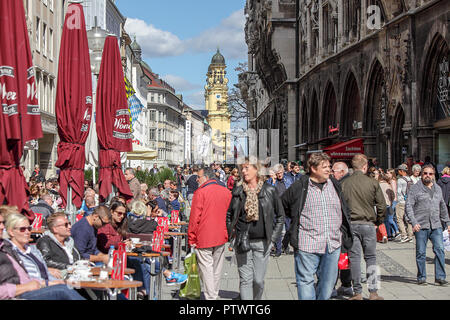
344, 69
216, 103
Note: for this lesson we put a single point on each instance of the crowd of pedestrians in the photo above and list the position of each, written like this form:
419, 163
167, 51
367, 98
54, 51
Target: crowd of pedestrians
320, 213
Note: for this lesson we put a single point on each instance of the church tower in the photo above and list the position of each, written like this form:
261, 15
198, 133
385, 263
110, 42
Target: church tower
216, 103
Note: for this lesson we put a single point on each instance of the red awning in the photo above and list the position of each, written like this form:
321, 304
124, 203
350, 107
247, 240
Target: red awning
345, 150
20, 119
73, 104
112, 121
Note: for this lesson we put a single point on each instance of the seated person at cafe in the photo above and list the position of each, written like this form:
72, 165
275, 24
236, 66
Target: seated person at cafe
56, 245
138, 219
23, 272
171, 277
44, 206
174, 204
89, 206
154, 194
84, 233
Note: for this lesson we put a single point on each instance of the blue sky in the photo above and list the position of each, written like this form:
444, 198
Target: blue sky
179, 38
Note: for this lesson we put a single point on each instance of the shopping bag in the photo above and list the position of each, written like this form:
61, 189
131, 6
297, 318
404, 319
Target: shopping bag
37, 222
191, 288
381, 233
343, 262
446, 240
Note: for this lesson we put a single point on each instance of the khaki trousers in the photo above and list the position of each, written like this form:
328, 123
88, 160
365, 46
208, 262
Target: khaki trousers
404, 227
210, 262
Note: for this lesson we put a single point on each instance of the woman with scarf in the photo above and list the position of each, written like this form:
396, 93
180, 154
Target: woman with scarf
255, 221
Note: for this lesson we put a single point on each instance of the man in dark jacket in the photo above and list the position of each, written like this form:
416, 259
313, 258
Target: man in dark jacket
318, 228
44, 207
57, 246
362, 194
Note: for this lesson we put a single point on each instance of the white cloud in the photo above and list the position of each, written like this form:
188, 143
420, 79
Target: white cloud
195, 100
228, 36
154, 42
179, 83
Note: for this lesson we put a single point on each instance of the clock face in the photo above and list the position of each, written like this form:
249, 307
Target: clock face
218, 96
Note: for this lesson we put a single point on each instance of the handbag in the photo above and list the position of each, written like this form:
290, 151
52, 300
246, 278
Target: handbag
343, 261
191, 288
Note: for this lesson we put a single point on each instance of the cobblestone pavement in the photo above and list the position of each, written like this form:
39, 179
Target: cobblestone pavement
398, 277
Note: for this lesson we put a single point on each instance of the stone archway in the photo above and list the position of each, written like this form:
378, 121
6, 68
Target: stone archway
329, 112
314, 117
305, 121
376, 116
351, 120
434, 111
399, 147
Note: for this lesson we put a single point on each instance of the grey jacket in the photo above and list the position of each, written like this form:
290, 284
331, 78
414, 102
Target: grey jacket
422, 208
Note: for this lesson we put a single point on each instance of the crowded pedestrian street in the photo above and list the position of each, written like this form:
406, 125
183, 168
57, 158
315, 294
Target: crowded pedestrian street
181, 152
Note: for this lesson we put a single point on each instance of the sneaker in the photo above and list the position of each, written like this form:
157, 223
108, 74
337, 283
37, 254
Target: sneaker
357, 296
345, 291
385, 239
176, 278
398, 237
422, 282
440, 282
403, 240
375, 296
334, 294
410, 239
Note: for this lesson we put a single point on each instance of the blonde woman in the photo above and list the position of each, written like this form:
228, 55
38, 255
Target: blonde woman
255, 220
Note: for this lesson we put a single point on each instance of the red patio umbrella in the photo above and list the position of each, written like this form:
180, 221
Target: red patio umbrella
73, 104
20, 119
112, 121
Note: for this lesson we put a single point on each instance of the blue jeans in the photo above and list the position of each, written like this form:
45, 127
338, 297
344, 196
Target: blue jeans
283, 243
142, 270
324, 265
391, 225
435, 235
56, 292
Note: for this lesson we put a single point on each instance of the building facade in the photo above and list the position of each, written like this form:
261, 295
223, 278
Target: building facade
372, 69
216, 103
166, 121
45, 19
198, 144
107, 15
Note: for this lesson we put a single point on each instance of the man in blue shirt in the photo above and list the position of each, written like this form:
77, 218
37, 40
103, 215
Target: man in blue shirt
84, 233
153, 194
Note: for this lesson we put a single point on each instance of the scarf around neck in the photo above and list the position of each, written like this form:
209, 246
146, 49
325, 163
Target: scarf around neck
251, 203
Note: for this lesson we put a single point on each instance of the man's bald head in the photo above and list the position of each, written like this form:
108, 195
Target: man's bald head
340, 169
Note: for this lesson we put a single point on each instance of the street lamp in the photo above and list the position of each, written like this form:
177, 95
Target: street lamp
96, 41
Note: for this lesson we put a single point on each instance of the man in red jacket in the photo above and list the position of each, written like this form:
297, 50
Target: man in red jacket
207, 230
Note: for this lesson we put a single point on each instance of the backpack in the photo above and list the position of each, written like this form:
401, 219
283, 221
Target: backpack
409, 184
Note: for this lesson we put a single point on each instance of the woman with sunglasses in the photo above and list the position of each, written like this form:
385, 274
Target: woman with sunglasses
23, 272
116, 230
56, 245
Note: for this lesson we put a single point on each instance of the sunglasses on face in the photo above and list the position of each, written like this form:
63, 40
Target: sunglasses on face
66, 225
428, 173
23, 229
120, 213
103, 222
2, 222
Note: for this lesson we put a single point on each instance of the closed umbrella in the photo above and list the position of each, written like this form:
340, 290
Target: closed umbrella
112, 121
73, 105
20, 119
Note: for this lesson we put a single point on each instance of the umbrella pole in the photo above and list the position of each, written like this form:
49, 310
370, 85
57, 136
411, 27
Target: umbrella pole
93, 175
70, 208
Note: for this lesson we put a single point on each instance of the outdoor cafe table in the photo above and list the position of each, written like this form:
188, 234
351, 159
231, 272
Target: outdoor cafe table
176, 247
110, 288
155, 284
